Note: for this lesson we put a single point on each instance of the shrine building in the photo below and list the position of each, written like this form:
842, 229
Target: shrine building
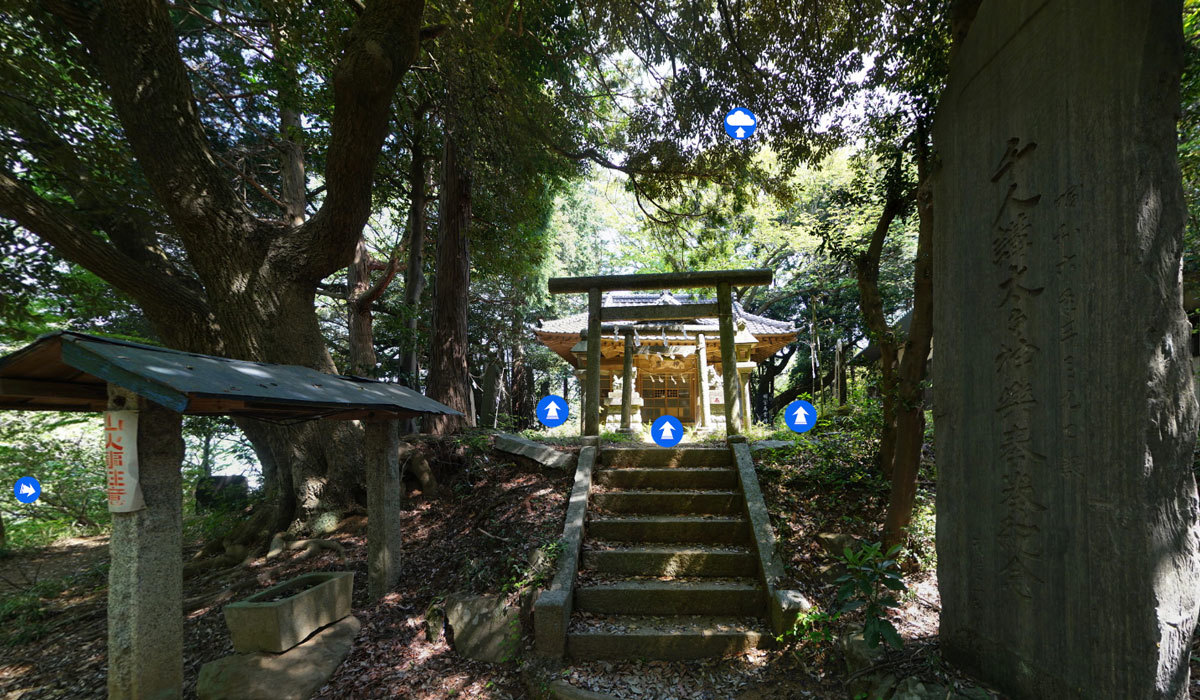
676, 364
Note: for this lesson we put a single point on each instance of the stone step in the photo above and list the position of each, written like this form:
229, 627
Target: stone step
739, 597
665, 457
671, 561
667, 528
668, 477
670, 502
678, 639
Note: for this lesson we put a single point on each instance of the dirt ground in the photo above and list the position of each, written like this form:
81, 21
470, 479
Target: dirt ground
474, 537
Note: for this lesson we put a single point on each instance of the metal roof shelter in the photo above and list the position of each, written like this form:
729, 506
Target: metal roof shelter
143, 390
68, 371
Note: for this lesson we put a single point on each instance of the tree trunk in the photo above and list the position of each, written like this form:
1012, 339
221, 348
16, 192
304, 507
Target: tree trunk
910, 414
206, 453
491, 380
870, 301
414, 276
449, 379
523, 405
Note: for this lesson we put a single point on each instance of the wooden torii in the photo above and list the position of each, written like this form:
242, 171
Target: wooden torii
723, 280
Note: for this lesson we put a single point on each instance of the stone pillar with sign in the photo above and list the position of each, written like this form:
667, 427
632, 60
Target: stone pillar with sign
144, 451
1067, 530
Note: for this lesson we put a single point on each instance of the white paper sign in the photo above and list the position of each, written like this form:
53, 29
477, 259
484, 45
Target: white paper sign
121, 461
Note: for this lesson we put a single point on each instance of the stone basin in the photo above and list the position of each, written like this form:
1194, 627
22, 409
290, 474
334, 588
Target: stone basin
285, 614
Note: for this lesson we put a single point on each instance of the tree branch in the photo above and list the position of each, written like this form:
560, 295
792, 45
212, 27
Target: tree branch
149, 287
381, 46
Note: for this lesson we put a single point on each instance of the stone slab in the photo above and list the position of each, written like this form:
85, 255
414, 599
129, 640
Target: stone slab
483, 627
1066, 421
552, 609
293, 675
542, 454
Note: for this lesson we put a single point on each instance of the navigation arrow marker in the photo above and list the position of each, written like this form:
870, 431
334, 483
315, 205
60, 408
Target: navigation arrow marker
800, 417
27, 490
667, 433
552, 410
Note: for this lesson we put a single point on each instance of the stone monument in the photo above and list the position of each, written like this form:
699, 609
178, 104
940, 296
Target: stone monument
1067, 511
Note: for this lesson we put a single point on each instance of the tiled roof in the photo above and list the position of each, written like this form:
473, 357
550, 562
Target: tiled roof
577, 323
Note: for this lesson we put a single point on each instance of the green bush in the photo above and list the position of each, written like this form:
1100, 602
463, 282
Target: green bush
871, 578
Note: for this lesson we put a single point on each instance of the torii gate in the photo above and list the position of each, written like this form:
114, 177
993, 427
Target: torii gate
153, 387
723, 280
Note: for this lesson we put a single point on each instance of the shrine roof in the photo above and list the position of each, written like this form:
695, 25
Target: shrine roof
756, 325
68, 371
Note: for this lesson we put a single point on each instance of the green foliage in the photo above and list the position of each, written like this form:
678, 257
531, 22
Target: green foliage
812, 631
869, 584
526, 575
64, 453
1189, 145
25, 614
922, 531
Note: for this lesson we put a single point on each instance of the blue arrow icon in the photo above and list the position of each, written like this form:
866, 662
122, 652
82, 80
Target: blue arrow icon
800, 416
667, 431
552, 411
27, 489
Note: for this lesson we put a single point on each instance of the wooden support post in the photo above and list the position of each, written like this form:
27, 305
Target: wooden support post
747, 412
627, 384
729, 373
840, 373
384, 538
145, 577
592, 412
702, 370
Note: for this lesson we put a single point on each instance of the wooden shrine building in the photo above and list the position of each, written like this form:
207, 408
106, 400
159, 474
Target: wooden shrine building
670, 344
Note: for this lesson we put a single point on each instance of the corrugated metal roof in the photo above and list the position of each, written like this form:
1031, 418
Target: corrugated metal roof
68, 371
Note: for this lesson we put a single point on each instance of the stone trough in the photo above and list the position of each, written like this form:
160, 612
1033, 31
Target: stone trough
284, 615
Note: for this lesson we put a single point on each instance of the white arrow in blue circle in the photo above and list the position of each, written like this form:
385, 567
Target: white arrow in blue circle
800, 416
552, 411
27, 489
667, 431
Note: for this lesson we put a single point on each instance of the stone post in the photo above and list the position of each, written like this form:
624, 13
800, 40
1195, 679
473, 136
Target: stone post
384, 537
1067, 512
591, 423
145, 577
627, 384
702, 370
729, 373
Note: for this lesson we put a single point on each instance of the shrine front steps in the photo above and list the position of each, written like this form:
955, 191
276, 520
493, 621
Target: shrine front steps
668, 566
680, 560
667, 478
677, 529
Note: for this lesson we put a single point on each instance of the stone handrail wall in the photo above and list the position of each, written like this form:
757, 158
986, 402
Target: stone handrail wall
552, 611
782, 605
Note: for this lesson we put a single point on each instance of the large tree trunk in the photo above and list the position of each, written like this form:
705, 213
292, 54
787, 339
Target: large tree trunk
246, 289
910, 413
449, 375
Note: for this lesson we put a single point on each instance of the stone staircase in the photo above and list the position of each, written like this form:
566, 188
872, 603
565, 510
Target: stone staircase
668, 569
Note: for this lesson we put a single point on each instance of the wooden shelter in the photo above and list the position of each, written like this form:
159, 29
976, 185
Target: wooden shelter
144, 390
669, 345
